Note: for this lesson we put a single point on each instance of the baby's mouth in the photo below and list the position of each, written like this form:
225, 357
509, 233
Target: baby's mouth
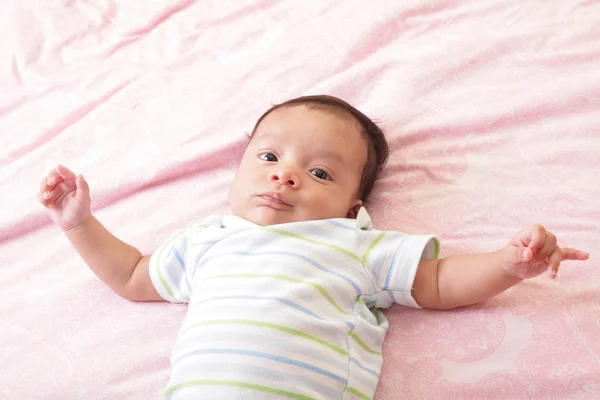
275, 199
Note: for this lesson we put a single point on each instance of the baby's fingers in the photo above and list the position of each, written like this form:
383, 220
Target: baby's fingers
574, 254
53, 178
49, 196
554, 262
66, 173
44, 193
48, 182
40, 197
45, 198
43, 184
547, 249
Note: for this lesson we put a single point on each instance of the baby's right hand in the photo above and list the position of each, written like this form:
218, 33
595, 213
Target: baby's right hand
66, 197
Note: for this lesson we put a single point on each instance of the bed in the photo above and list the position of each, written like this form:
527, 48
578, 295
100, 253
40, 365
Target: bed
491, 109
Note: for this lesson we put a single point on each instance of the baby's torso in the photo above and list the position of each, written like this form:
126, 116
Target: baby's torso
278, 312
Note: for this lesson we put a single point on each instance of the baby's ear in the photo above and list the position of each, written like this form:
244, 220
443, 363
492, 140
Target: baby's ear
353, 212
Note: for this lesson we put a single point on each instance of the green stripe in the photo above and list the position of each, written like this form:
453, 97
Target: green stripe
320, 288
260, 388
356, 392
436, 251
159, 258
245, 385
283, 328
293, 235
371, 246
363, 345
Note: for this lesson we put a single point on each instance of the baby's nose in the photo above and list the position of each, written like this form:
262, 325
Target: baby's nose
285, 177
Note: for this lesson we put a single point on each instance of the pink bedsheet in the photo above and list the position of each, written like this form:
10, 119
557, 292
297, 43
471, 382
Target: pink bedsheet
492, 110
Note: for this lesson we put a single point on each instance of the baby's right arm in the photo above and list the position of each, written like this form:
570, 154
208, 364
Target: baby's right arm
120, 266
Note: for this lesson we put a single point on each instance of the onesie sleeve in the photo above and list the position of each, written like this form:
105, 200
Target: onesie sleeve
392, 262
171, 267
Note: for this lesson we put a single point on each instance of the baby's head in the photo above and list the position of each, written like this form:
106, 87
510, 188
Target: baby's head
309, 158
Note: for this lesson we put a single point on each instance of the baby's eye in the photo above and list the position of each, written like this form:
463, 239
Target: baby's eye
319, 173
270, 157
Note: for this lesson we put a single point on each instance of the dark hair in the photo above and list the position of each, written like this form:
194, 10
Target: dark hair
377, 151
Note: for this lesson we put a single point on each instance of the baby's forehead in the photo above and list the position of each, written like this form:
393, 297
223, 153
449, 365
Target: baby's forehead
324, 109
293, 115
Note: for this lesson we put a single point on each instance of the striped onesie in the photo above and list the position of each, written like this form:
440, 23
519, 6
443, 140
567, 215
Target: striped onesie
284, 311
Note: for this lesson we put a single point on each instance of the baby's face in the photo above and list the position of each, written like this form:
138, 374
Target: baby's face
302, 164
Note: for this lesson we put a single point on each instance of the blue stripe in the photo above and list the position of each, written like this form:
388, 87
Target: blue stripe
279, 299
223, 368
391, 294
406, 298
379, 257
207, 242
291, 304
287, 253
271, 357
355, 361
393, 263
340, 225
182, 264
172, 275
247, 338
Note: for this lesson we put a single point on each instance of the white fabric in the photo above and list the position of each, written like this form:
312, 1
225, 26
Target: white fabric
284, 309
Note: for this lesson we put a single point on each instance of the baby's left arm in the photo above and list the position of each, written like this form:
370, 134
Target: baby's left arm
467, 279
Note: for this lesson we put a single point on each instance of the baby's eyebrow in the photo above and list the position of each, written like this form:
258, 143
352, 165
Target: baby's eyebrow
330, 154
267, 135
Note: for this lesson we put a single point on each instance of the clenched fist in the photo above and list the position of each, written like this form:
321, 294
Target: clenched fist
66, 196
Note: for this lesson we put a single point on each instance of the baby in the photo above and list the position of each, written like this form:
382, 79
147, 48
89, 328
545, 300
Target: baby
284, 295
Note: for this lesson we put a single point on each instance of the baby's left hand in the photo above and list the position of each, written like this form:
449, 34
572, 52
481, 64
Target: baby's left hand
533, 251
